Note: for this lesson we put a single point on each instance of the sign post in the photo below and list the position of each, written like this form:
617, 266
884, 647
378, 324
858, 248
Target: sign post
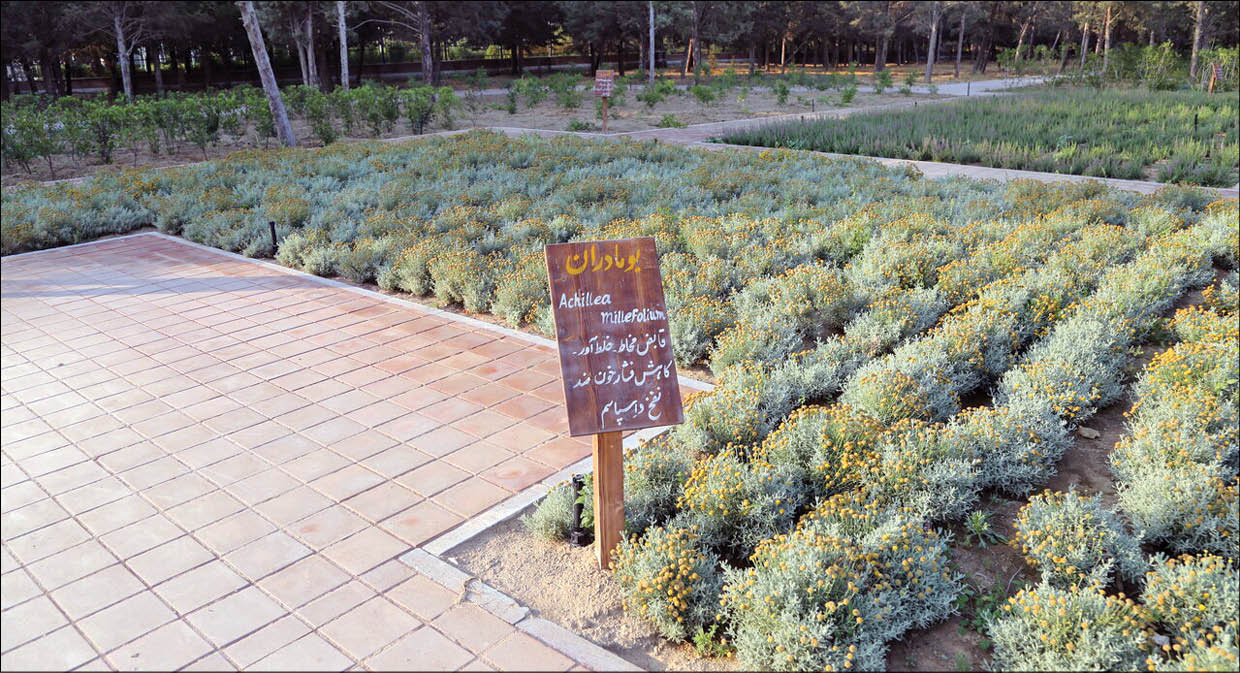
615, 359
603, 80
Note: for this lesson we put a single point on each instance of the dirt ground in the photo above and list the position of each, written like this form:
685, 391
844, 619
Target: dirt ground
632, 116
999, 570
563, 584
586, 600
635, 116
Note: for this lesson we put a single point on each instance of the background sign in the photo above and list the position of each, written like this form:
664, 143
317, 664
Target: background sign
611, 328
603, 82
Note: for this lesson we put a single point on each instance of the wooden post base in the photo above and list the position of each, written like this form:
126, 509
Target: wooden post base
608, 494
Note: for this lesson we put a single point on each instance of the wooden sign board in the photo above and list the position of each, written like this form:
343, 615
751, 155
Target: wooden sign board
603, 80
614, 342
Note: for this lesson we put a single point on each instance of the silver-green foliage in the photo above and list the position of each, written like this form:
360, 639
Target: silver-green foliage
1047, 628
1075, 541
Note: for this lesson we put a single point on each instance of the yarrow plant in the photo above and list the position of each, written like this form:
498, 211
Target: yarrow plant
667, 577
1196, 599
1074, 629
1074, 541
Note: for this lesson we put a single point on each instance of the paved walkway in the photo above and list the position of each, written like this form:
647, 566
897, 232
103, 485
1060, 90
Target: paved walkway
212, 463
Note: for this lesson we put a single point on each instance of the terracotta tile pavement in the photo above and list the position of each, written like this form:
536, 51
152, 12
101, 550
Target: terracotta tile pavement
208, 463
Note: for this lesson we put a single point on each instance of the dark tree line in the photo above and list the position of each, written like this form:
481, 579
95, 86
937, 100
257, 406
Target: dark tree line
200, 43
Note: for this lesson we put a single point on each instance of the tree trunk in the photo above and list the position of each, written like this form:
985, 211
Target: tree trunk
301, 61
159, 70
783, 54
959, 44
1020, 41
1198, 23
1063, 57
650, 15
321, 71
620, 57
122, 56
1106, 32
311, 55
5, 92
68, 77
684, 67
344, 45
1084, 44
933, 50
178, 67
50, 86
284, 130
880, 53
437, 56
424, 30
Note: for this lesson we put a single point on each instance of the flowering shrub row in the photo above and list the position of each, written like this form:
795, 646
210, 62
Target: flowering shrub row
1177, 467
932, 471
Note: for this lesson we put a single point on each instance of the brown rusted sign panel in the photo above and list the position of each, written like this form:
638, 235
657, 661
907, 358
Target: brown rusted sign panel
603, 80
611, 329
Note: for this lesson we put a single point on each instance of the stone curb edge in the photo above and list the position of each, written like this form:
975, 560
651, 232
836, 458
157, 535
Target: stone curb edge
495, 602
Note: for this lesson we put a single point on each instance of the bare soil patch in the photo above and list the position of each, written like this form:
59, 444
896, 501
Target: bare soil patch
563, 584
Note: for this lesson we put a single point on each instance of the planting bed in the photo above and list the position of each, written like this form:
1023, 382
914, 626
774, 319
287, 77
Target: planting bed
890, 353
1182, 137
74, 138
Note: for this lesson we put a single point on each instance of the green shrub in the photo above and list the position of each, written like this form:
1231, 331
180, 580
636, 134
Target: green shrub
833, 593
367, 257
1077, 629
412, 267
1196, 600
653, 477
733, 505
1223, 298
552, 518
704, 94
829, 448
321, 261
695, 325
669, 121
531, 89
564, 87
882, 81
668, 578
464, 276
652, 96
521, 291
1114, 134
1074, 541
782, 91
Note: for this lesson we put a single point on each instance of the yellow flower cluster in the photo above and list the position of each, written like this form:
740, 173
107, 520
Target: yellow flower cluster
1073, 540
661, 575
1196, 599
1066, 619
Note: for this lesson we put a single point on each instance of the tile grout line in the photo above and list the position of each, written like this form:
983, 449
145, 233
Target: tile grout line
365, 292
530, 493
